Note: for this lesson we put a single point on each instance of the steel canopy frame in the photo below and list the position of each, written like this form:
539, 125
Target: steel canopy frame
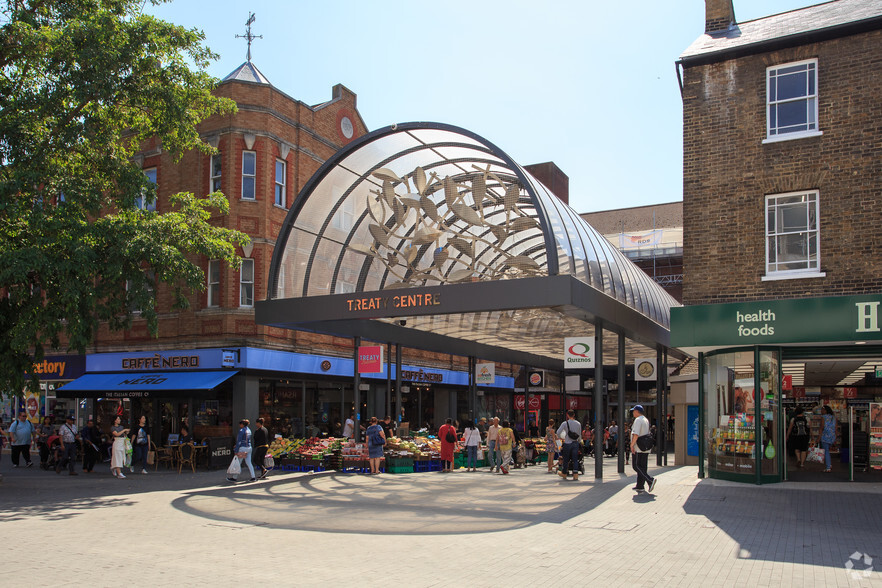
497, 243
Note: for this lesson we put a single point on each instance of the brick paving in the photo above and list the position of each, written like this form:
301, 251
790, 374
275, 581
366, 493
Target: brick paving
470, 529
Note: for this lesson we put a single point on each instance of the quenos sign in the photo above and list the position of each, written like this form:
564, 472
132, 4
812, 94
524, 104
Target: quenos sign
578, 352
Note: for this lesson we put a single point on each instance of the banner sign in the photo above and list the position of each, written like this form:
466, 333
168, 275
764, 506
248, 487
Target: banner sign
485, 373
578, 352
370, 359
645, 369
692, 428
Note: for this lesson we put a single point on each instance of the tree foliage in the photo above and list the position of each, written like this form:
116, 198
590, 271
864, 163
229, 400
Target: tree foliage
82, 84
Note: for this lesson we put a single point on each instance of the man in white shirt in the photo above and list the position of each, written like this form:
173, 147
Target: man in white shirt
493, 452
349, 427
69, 434
641, 457
569, 429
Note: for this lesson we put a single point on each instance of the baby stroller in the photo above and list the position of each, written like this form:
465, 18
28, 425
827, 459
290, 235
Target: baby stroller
56, 453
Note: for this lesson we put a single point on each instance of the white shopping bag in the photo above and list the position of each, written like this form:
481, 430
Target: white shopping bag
235, 468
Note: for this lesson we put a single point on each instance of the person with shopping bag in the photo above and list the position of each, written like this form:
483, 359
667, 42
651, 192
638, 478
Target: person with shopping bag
243, 450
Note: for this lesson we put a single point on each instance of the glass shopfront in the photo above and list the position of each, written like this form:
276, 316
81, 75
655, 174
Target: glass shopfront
741, 401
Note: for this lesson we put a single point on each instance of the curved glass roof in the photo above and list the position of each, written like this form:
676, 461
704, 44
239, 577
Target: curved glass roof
425, 204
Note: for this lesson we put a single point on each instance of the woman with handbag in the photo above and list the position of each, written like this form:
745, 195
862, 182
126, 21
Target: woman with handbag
472, 439
376, 440
243, 448
827, 437
447, 435
118, 453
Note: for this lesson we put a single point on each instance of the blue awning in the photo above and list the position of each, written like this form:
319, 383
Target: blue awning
142, 384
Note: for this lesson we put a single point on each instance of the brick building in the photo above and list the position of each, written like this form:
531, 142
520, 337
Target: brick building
211, 364
782, 154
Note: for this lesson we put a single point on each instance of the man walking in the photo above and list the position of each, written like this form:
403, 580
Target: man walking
494, 456
21, 435
571, 432
260, 442
68, 433
91, 437
640, 456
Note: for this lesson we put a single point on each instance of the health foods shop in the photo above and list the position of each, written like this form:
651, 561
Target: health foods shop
774, 374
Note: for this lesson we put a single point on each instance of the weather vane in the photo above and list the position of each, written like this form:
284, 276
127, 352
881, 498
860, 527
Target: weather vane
248, 36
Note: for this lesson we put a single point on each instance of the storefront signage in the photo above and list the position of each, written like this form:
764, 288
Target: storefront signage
536, 378
60, 367
692, 435
803, 320
578, 352
370, 359
787, 382
644, 369
485, 373
160, 362
399, 301
534, 402
421, 376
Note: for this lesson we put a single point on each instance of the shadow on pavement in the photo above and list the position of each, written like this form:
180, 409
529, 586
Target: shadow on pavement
804, 526
409, 504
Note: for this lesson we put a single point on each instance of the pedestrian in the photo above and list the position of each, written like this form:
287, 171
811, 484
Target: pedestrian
376, 440
44, 431
349, 427
184, 436
68, 433
626, 437
243, 448
482, 428
505, 443
91, 437
388, 427
140, 445
21, 436
447, 435
533, 428
588, 439
798, 436
118, 453
640, 457
492, 441
261, 445
569, 432
472, 439
826, 436
551, 445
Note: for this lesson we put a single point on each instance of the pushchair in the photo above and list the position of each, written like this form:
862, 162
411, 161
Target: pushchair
56, 453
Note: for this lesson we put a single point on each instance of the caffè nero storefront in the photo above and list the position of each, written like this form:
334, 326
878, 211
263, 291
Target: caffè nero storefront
428, 236
761, 361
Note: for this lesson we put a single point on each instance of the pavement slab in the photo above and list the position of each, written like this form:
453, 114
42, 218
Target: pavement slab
527, 528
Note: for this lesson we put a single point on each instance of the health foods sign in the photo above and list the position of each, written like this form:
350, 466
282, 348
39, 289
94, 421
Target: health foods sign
805, 320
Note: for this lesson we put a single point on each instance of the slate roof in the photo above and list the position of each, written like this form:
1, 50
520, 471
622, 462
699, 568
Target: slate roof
778, 27
247, 72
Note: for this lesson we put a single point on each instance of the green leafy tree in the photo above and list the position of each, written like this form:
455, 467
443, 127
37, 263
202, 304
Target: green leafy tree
83, 83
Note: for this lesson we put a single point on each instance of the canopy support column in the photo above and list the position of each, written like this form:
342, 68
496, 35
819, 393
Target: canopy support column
398, 383
620, 413
356, 390
388, 380
598, 399
659, 394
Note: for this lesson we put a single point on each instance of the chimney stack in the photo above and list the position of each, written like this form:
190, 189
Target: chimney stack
557, 182
719, 15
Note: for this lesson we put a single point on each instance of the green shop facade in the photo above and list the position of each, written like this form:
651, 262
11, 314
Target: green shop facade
743, 394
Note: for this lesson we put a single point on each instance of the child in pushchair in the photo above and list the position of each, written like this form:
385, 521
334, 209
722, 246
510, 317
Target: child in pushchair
56, 453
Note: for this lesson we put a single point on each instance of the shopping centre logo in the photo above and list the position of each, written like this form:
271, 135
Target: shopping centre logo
859, 566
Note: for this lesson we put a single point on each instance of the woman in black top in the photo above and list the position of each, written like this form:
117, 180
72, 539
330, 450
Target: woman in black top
798, 433
260, 443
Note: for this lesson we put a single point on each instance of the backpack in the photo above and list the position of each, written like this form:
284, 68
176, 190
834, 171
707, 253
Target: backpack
450, 437
799, 428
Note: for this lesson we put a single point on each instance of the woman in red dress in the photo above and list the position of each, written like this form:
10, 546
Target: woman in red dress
447, 435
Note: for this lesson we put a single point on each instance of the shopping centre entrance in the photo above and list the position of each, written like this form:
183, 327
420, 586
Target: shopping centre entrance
430, 237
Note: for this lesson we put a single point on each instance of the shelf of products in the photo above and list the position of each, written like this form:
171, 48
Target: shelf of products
876, 448
734, 446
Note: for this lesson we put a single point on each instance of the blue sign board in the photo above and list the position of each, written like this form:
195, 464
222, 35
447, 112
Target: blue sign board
692, 430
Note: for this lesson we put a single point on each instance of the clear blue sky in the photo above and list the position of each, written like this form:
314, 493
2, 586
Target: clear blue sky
587, 84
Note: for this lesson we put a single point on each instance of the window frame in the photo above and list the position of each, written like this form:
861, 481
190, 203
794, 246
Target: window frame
251, 177
778, 136
281, 189
243, 283
140, 201
213, 288
772, 233
215, 180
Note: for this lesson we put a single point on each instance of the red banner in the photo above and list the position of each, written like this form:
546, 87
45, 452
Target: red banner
787, 383
370, 359
519, 402
573, 402
799, 392
849, 392
534, 403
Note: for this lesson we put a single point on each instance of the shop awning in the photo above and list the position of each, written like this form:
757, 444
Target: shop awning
142, 384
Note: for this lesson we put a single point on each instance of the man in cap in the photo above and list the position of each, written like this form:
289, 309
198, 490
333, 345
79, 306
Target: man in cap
640, 456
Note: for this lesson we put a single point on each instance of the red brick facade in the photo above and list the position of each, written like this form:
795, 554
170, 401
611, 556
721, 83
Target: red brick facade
728, 171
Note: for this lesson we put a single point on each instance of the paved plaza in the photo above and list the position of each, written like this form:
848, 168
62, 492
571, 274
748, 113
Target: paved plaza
430, 529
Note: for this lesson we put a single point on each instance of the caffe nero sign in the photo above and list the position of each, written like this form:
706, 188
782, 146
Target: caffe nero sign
805, 320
